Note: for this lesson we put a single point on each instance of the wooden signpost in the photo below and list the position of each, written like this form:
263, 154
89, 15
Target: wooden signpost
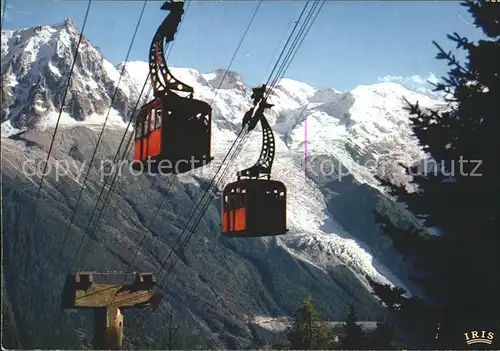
108, 301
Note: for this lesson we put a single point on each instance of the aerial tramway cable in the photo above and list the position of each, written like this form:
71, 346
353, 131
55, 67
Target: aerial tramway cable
3, 13
61, 109
127, 150
217, 90
297, 42
213, 100
284, 66
295, 46
291, 53
121, 142
226, 168
206, 205
100, 136
220, 84
290, 56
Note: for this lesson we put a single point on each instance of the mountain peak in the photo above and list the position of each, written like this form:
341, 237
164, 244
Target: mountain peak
67, 22
35, 64
222, 79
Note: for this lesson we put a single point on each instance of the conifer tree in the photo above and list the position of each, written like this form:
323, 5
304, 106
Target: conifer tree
459, 269
309, 330
353, 337
381, 338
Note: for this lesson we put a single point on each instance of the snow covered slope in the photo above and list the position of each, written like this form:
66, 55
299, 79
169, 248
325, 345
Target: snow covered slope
361, 133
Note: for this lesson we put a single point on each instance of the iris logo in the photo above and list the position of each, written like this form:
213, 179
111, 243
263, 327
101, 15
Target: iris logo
479, 337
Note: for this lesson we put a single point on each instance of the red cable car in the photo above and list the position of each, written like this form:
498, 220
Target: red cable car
252, 206
172, 132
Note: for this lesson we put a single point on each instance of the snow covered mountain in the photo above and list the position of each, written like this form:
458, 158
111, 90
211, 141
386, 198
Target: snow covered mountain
364, 125
330, 146
366, 130
36, 63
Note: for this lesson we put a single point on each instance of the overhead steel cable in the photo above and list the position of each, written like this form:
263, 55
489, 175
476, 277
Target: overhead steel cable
291, 54
113, 183
106, 201
306, 32
62, 107
179, 237
296, 44
102, 130
3, 13
293, 51
58, 319
233, 156
288, 40
129, 123
110, 190
278, 47
206, 205
237, 49
185, 242
226, 156
213, 100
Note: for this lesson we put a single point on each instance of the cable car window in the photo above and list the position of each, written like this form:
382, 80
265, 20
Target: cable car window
138, 128
231, 201
237, 199
158, 119
151, 120
243, 199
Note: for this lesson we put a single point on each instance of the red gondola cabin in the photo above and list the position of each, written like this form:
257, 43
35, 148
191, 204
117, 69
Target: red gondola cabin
254, 208
173, 135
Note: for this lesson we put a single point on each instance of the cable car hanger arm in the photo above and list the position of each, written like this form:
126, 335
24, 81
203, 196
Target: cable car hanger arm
262, 168
253, 115
162, 79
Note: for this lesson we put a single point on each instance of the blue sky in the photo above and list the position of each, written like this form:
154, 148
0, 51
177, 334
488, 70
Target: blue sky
351, 42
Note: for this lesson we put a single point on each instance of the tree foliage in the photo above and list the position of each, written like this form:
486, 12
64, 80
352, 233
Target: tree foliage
381, 338
353, 337
458, 269
309, 330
